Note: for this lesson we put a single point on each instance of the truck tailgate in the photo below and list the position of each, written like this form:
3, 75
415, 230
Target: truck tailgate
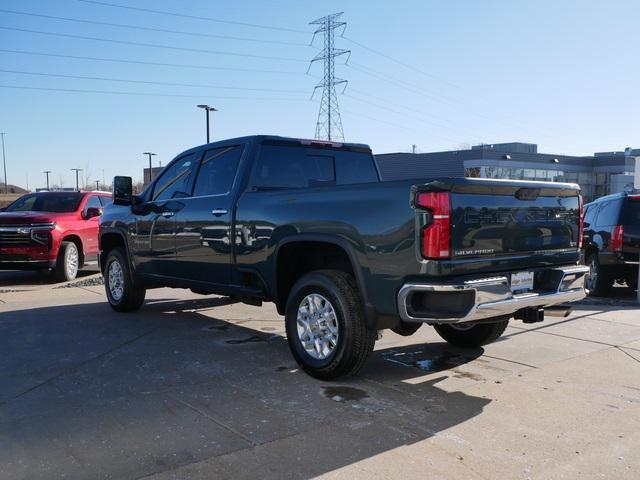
495, 219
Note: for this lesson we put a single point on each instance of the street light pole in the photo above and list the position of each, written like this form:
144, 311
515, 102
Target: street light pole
4, 162
207, 110
77, 170
636, 184
150, 166
47, 172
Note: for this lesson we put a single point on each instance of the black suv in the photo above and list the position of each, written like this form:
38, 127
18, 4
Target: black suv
612, 242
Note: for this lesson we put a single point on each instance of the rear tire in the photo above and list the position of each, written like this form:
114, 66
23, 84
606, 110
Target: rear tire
67, 263
597, 282
471, 336
326, 329
123, 292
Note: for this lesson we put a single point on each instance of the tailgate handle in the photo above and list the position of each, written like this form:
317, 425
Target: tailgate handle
526, 193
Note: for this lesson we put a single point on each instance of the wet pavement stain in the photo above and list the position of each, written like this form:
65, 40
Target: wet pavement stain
426, 361
344, 394
222, 328
251, 339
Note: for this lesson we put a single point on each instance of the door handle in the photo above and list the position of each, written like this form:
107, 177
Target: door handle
218, 212
168, 214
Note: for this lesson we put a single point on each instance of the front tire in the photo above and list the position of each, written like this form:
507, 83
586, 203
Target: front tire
67, 263
326, 329
471, 335
123, 293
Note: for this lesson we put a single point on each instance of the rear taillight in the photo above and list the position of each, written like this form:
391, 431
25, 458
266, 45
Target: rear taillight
581, 223
617, 238
436, 237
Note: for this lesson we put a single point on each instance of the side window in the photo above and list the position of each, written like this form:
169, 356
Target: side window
590, 215
105, 201
609, 213
284, 167
175, 180
217, 171
355, 167
93, 202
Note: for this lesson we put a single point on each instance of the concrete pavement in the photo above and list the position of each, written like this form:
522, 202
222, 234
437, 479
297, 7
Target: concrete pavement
197, 387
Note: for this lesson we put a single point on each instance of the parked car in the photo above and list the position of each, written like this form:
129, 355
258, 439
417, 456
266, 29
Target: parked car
612, 242
310, 226
51, 230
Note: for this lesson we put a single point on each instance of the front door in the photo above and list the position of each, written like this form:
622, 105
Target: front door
204, 240
154, 241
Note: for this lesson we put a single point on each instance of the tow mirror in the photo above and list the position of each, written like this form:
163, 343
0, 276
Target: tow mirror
122, 191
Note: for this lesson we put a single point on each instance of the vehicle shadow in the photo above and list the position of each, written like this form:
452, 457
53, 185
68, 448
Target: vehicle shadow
192, 395
26, 278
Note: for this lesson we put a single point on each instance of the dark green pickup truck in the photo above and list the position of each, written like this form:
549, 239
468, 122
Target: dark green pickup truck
310, 226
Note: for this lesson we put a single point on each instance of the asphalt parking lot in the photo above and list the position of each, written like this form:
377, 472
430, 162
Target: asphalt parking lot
197, 387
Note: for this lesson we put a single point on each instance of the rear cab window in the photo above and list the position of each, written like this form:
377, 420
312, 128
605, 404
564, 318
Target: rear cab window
631, 211
284, 166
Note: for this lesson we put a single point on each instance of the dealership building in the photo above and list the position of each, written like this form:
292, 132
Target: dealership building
599, 174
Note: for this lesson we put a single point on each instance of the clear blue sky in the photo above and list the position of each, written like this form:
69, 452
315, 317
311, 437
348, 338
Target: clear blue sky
563, 74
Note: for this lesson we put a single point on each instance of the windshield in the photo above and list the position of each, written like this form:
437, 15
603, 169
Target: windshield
46, 202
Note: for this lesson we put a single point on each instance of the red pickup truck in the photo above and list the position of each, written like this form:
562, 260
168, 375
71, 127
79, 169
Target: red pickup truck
51, 230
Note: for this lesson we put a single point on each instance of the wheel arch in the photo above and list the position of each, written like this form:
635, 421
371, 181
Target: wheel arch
341, 253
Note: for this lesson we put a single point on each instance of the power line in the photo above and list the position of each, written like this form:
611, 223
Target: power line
194, 17
146, 94
456, 103
393, 124
158, 64
153, 45
148, 82
153, 29
399, 62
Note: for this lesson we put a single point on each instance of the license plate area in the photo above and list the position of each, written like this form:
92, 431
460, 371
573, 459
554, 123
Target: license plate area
521, 282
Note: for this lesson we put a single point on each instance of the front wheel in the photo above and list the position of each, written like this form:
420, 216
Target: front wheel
471, 335
67, 263
123, 293
326, 329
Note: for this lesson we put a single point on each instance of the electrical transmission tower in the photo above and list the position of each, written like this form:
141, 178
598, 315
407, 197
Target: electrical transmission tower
329, 124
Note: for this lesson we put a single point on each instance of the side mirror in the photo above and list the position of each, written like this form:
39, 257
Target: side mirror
122, 191
92, 212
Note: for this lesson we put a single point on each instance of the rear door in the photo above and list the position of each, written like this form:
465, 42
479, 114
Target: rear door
204, 240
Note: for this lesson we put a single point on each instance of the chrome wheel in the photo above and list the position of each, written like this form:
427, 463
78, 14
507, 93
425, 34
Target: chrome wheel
115, 280
317, 326
592, 277
71, 262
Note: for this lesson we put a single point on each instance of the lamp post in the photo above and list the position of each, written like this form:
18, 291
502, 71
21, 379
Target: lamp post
636, 184
77, 170
207, 109
4, 162
150, 166
47, 172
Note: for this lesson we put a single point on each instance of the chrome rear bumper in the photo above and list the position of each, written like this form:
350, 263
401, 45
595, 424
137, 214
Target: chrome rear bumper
488, 297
